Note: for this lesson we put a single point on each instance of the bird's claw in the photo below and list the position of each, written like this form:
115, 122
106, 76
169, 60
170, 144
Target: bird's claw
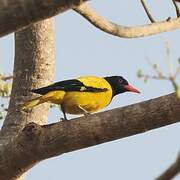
63, 119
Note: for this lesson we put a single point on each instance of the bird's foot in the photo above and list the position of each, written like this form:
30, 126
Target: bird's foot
85, 112
63, 119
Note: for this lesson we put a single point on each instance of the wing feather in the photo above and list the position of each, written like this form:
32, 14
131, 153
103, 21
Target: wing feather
68, 85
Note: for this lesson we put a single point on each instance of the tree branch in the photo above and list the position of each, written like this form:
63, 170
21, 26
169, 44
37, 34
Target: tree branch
124, 31
176, 8
35, 142
147, 11
5, 78
17, 14
172, 171
33, 67
35, 10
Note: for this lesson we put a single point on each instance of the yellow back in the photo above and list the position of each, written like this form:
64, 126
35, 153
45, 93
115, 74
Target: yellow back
89, 101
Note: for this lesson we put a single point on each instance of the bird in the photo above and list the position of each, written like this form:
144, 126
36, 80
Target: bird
84, 95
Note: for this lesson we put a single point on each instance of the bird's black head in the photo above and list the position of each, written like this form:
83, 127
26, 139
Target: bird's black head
120, 85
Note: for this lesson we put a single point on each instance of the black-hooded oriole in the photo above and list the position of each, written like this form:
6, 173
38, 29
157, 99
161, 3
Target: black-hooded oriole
83, 95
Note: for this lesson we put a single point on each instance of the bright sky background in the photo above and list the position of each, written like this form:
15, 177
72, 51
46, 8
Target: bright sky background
81, 49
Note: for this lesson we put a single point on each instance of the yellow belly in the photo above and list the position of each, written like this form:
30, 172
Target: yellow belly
74, 102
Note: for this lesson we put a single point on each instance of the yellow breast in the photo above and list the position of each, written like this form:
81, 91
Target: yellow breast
74, 102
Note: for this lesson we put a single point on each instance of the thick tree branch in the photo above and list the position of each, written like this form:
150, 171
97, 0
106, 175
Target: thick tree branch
35, 10
33, 67
172, 171
124, 31
17, 14
54, 139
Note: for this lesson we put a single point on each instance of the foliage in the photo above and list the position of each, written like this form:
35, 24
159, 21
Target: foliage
171, 76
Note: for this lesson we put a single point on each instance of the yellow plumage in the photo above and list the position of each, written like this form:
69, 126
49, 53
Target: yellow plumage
74, 102
52, 97
92, 96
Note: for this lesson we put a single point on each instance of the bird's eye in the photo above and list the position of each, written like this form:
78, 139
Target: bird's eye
120, 81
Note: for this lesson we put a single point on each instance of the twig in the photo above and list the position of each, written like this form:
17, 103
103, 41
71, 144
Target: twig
172, 171
146, 76
177, 72
168, 59
160, 76
176, 7
5, 78
157, 69
147, 11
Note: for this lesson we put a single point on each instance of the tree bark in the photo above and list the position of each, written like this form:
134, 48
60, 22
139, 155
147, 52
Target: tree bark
125, 31
16, 14
33, 68
38, 142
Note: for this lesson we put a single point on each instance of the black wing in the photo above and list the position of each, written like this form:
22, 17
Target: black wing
68, 85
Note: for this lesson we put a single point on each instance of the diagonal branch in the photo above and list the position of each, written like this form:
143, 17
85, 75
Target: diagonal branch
147, 11
172, 171
6, 78
124, 31
176, 8
35, 142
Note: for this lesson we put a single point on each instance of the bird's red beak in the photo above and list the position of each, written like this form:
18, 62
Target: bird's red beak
131, 88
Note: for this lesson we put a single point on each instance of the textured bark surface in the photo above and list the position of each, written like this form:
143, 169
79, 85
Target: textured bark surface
33, 67
45, 141
16, 14
124, 31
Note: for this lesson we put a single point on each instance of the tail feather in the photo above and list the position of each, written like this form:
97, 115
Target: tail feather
31, 103
55, 97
